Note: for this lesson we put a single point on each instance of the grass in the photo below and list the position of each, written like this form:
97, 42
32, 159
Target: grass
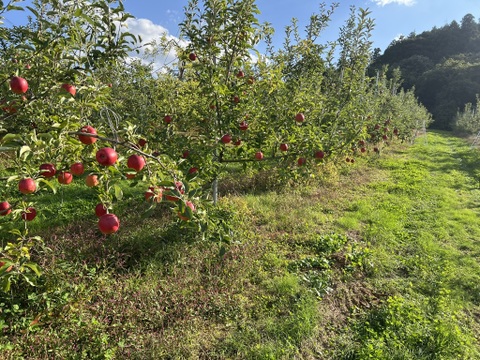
375, 261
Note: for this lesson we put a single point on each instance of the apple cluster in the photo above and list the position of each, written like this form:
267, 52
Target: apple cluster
108, 223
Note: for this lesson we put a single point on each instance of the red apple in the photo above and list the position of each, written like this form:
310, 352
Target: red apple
142, 142
130, 176
251, 80
28, 66
5, 208
300, 117
377, 126
77, 169
319, 154
69, 88
259, 155
243, 125
87, 140
226, 139
47, 170
385, 137
30, 214
301, 161
106, 156
100, 210
352, 160
167, 119
18, 85
108, 224
237, 142
92, 180
240, 74
283, 147
236, 99
65, 178
193, 170
27, 186
213, 106
192, 56
361, 143
376, 149
185, 154
363, 149
136, 162
395, 131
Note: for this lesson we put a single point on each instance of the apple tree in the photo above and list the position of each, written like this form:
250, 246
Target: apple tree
229, 103
59, 124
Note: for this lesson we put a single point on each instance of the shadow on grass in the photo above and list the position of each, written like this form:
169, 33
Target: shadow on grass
140, 240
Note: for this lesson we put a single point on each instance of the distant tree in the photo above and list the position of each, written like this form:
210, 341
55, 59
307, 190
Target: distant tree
413, 67
441, 64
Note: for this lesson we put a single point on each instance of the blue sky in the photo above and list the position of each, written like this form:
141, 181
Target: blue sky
392, 17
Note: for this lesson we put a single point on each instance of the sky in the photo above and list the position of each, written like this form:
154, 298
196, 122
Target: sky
393, 18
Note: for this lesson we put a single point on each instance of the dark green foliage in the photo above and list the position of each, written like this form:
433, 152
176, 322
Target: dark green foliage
441, 64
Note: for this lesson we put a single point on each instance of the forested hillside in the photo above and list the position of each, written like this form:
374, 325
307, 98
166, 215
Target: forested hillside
443, 65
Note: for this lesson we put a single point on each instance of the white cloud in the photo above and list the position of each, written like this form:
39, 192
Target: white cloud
400, 2
151, 34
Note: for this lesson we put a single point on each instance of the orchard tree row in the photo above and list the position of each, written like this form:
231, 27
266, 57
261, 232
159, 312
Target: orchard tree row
75, 107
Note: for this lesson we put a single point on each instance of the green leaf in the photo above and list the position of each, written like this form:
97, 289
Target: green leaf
35, 12
25, 47
13, 7
118, 192
49, 184
149, 212
10, 137
15, 232
12, 178
34, 267
6, 149
188, 213
28, 279
6, 283
167, 183
222, 251
25, 149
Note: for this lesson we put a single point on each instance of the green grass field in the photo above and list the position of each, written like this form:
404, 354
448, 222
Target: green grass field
377, 260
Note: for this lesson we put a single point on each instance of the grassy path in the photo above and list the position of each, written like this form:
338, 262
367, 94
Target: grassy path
380, 262
422, 224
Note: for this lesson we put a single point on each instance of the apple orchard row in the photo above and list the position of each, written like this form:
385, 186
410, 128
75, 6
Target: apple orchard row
108, 223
